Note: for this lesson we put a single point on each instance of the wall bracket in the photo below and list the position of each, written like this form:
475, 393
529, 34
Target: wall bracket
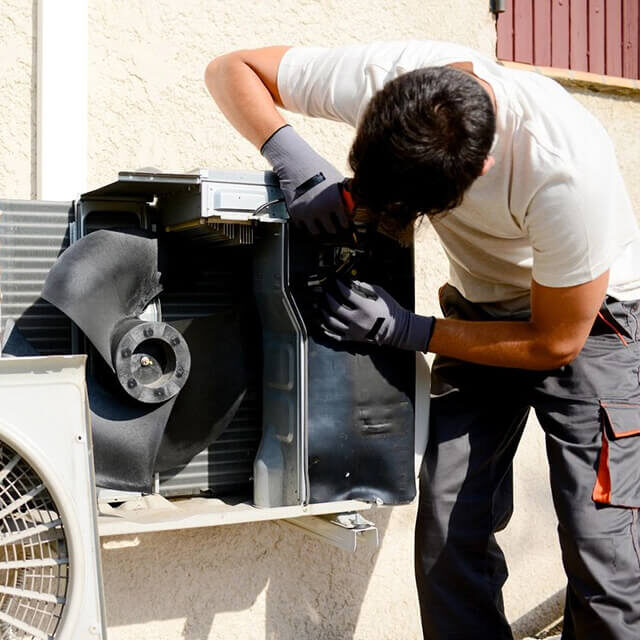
343, 530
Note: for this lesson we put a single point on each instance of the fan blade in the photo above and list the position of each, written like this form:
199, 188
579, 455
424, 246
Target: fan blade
102, 279
215, 389
102, 282
126, 438
126, 434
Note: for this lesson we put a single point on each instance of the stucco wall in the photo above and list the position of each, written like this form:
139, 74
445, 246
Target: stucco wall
17, 104
620, 116
148, 107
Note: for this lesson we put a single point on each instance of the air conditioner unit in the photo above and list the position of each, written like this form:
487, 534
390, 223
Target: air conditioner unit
208, 380
50, 584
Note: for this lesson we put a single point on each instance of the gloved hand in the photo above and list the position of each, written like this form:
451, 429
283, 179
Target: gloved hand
311, 186
367, 313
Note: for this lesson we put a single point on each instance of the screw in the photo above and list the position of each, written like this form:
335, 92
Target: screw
158, 393
131, 383
126, 353
175, 341
179, 372
148, 332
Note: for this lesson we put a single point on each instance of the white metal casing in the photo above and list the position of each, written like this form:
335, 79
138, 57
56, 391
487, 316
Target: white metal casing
44, 418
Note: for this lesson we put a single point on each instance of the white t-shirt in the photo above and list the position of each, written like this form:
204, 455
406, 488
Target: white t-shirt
553, 208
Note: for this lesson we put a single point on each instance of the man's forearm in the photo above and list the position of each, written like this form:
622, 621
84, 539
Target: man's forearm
503, 344
561, 319
243, 97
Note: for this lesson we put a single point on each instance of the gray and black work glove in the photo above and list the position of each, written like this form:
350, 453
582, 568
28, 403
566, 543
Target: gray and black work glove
367, 313
311, 186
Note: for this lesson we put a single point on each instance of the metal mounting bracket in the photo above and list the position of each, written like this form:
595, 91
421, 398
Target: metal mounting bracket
343, 530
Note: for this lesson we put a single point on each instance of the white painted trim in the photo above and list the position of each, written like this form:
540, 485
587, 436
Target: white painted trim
62, 99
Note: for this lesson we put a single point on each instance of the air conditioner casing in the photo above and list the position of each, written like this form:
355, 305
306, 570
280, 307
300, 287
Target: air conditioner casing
270, 454
44, 419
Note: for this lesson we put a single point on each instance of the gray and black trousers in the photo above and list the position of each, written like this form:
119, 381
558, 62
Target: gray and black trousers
590, 413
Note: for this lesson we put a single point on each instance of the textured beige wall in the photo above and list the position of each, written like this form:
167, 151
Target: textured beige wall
148, 107
17, 99
260, 581
621, 117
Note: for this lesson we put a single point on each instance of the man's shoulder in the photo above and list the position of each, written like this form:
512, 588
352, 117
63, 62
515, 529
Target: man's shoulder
337, 83
557, 135
409, 54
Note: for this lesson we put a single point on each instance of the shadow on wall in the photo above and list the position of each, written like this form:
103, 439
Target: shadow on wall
312, 590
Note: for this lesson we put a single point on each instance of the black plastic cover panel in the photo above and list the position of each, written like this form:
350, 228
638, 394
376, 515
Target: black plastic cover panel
361, 410
361, 424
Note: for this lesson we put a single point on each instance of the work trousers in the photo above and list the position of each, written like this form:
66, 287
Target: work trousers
590, 413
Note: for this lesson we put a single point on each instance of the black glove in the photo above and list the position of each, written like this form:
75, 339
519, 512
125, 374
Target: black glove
311, 186
367, 313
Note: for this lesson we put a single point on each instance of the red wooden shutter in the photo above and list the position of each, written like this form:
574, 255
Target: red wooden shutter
600, 36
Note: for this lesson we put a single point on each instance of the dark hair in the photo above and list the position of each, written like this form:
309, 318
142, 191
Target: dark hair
421, 143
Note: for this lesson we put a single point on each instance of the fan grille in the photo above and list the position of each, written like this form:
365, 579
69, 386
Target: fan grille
34, 565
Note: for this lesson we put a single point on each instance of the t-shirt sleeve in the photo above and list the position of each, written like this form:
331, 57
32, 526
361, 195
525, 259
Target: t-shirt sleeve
334, 83
566, 181
338, 83
567, 224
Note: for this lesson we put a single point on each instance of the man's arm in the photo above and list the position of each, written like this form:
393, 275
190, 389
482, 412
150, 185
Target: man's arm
244, 86
561, 319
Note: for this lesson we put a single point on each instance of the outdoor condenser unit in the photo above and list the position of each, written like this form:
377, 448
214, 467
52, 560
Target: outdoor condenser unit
50, 576
196, 303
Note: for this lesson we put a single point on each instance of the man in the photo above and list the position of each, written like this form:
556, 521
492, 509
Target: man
522, 186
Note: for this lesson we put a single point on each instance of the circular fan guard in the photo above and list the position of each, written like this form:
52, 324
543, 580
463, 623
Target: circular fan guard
34, 564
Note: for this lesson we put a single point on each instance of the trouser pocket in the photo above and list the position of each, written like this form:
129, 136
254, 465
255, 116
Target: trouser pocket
618, 479
617, 317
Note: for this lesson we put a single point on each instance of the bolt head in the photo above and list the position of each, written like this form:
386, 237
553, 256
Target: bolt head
131, 383
126, 353
179, 372
158, 393
175, 341
148, 332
